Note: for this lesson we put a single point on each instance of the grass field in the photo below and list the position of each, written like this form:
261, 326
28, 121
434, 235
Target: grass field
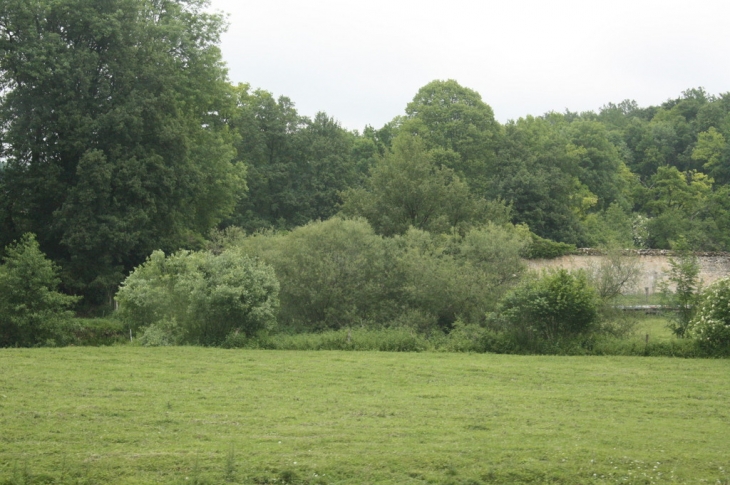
196, 415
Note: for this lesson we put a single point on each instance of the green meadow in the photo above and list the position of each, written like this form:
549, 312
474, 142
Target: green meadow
200, 415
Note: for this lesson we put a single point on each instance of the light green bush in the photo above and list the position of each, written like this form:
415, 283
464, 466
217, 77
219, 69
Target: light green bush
451, 278
199, 297
340, 274
711, 323
555, 305
32, 311
334, 274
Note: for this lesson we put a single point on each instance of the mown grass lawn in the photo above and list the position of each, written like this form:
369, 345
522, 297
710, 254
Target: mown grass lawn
196, 415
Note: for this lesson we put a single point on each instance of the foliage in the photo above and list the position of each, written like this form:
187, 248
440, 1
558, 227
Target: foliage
541, 248
458, 129
551, 306
407, 188
460, 278
99, 332
710, 324
682, 287
32, 311
616, 273
337, 273
351, 339
610, 227
112, 118
599, 162
297, 166
198, 297
537, 176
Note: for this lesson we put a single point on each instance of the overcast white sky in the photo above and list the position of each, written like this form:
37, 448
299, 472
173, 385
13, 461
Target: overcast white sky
363, 61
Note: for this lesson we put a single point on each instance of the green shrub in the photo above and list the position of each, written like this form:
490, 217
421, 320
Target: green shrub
452, 278
684, 277
711, 323
339, 273
541, 248
198, 297
557, 305
32, 311
334, 274
99, 331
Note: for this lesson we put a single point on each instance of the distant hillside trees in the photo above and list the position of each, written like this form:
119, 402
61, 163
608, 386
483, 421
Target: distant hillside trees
408, 188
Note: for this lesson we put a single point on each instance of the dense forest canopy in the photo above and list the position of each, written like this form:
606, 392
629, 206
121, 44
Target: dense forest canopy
120, 134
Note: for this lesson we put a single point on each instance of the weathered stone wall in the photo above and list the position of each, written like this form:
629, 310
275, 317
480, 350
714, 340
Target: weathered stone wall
654, 266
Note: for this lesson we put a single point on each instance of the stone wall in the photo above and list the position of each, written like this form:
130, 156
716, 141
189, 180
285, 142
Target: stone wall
654, 265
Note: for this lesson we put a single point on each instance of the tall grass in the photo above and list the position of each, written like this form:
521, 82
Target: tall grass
473, 338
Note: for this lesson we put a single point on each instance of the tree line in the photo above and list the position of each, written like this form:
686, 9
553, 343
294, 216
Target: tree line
120, 134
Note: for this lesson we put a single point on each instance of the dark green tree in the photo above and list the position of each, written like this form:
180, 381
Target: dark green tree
112, 120
32, 311
458, 127
537, 176
599, 162
407, 188
297, 166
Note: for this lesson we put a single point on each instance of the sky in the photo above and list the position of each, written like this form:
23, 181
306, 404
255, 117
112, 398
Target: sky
361, 62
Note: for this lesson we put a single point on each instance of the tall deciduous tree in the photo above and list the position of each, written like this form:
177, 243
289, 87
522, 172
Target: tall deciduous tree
538, 177
408, 189
458, 127
112, 120
297, 166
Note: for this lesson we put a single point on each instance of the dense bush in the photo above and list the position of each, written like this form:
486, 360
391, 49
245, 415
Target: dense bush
198, 297
711, 323
334, 274
339, 273
541, 248
99, 331
451, 278
32, 311
553, 306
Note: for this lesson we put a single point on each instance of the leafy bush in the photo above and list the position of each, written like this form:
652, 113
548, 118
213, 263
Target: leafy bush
452, 278
199, 297
99, 331
339, 273
553, 306
32, 311
711, 323
541, 248
334, 274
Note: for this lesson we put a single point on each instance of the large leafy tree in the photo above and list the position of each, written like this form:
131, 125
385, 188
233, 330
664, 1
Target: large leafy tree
458, 127
297, 165
112, 121
540, 179
599, 162
407, 188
